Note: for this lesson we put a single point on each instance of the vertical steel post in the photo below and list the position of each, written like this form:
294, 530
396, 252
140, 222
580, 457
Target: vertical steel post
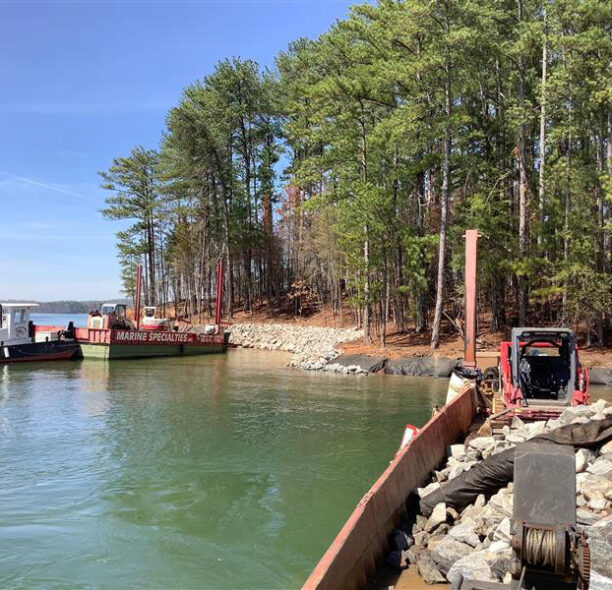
219, 301
471, 248
138, 295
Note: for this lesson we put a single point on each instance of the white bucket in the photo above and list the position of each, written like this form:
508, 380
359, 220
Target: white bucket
456, 385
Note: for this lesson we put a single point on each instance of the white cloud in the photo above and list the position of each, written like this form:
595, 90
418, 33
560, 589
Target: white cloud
52, 187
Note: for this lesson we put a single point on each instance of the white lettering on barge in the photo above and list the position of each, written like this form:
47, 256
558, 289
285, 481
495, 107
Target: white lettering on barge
141, 337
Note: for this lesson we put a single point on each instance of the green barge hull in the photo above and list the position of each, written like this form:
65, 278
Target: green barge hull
111, 344
136, 351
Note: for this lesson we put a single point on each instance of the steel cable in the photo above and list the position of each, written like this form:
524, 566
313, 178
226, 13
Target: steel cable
540, 547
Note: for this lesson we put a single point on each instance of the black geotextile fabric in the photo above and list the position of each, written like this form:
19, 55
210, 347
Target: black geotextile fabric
600, 376
371, 364
494, 472
421, 366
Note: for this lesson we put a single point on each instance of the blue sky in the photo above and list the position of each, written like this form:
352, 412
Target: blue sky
82, 83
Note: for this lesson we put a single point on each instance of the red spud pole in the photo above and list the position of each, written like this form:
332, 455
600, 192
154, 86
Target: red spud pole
469, 354
138, 295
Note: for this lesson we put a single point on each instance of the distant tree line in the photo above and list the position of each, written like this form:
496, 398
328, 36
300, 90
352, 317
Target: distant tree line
351, 170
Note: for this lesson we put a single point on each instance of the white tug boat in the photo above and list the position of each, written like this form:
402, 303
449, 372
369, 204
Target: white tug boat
21, 341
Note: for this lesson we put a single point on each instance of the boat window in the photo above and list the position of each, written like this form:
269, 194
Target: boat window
544, 369
542, 351
19, 316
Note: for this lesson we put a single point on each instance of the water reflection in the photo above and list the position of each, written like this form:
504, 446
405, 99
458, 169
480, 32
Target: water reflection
4, 383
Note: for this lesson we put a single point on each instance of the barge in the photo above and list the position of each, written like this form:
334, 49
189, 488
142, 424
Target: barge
111, 335
112, 344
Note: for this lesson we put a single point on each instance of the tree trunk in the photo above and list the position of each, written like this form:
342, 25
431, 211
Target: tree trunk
601, 261
367, 336
542, 179
367, 304
398, 297
566, 224
422, 295
384, 308
588, 332
521, 157
268, 233
609, 154
229, 272
607, 206
435, 333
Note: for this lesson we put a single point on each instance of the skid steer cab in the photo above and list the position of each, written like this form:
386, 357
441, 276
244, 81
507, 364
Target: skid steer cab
112, 316
540, 367
151, 322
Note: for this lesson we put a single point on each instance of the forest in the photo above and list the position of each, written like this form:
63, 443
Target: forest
346, 175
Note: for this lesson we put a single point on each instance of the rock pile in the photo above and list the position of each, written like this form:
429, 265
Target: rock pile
475, 542
312, 346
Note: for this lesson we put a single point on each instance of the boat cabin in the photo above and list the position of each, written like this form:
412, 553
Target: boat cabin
15, 323
540, 366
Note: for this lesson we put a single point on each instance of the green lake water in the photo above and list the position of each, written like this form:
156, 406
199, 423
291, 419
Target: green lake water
221, 471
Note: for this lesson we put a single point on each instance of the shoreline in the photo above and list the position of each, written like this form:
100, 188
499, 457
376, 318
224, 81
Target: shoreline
319, 348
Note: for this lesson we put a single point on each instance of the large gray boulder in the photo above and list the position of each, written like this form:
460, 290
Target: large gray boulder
536, 428
586, 517
427, 569
584, 457
592, 485
482, 443
464, 533
601, 467
502, 502
569, 415
600, 542
438, 516
456, 451
599, 582
447, 552
499, 557
432, 487
472, 567
502, 531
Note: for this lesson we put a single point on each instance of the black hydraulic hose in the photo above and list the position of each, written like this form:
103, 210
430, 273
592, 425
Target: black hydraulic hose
495, 472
